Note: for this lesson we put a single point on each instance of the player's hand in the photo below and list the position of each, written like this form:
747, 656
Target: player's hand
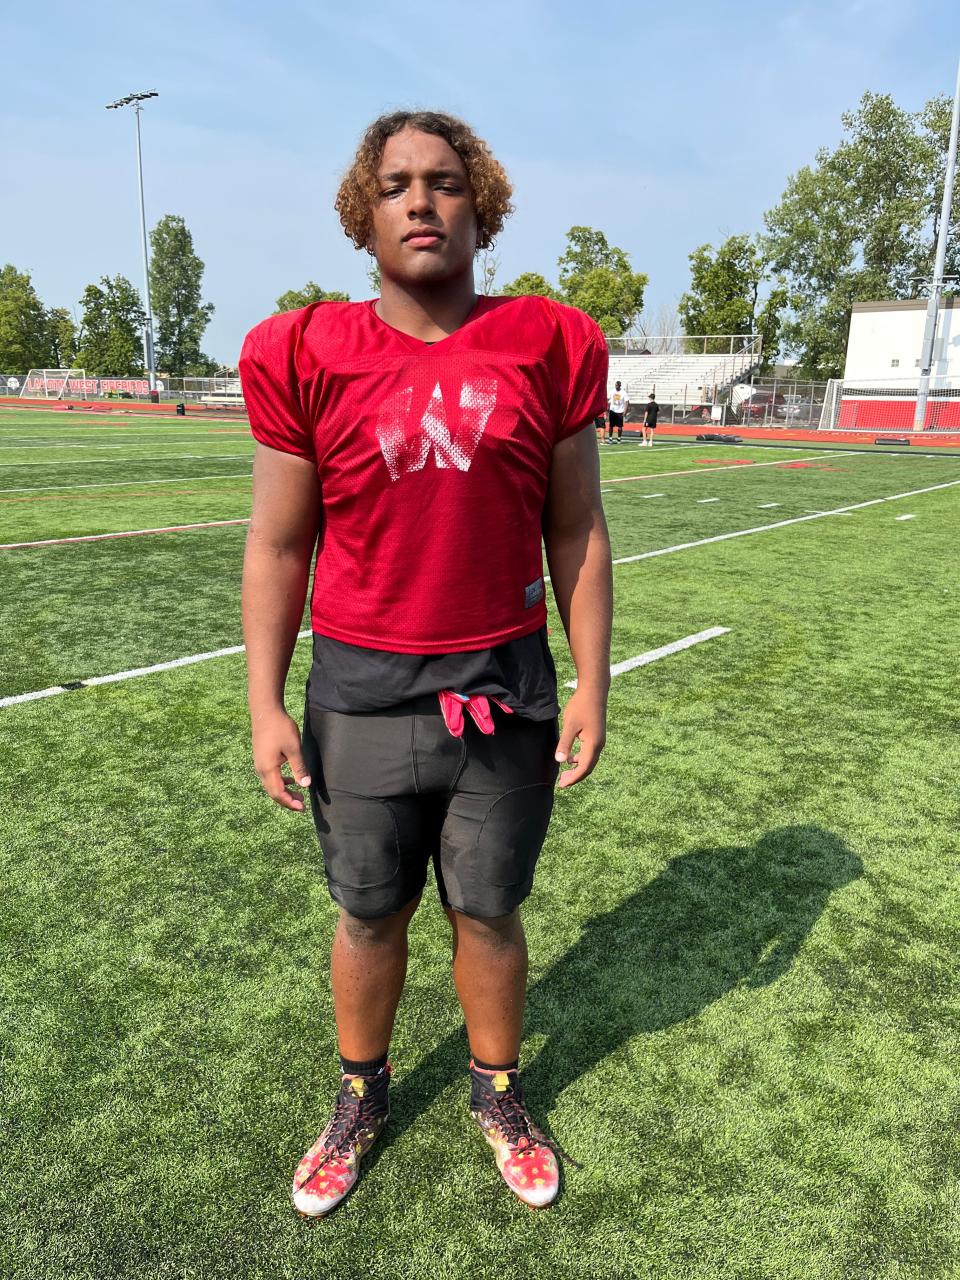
584, 720
276, 743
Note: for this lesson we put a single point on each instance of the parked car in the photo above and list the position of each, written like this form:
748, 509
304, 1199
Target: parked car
697, 413
759, 407
798, 410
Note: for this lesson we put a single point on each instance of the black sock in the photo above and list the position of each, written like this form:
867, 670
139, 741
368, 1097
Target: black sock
351, 1068
486, 1066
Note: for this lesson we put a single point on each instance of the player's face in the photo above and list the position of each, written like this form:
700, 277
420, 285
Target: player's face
424, 223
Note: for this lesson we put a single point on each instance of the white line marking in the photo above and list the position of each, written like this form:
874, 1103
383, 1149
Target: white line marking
904, 517
653, 495
701, 501
652, 655
131, 675
632, 448
127, 533
644, 555
134, 457
764, 506
129, 484
781, 524
748, 466
127, 444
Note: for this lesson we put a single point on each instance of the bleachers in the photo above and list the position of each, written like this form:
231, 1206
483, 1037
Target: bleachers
678, 379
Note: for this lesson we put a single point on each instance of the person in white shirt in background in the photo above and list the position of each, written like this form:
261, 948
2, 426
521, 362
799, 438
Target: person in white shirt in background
619, 404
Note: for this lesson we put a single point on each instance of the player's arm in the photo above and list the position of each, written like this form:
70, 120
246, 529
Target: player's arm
578, 553
276, 570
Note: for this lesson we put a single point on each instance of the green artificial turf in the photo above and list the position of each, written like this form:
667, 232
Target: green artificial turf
744, 1016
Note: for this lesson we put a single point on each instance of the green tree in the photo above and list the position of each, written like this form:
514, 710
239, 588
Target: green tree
858, 224
111, 332
176, 284
61, 338
724, 294
311, 292
373, 275
597, 277
24, 338
530, 282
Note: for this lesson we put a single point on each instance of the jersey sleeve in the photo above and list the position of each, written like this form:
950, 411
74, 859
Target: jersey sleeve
587, 361
271, 392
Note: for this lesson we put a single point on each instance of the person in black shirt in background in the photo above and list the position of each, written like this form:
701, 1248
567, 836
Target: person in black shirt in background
649, 424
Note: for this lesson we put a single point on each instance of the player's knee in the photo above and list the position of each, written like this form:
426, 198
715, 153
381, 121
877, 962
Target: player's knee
496, 932
371, 932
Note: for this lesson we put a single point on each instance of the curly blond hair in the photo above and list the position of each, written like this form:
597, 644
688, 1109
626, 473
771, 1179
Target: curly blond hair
489, 184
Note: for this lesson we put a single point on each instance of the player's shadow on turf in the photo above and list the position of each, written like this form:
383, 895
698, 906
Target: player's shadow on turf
713, 920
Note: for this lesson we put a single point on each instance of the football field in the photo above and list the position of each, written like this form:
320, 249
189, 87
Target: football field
744, 1014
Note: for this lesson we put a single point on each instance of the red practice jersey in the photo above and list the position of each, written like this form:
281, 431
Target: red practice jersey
433, 460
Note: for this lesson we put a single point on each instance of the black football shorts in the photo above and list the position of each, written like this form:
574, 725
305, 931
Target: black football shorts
393, 791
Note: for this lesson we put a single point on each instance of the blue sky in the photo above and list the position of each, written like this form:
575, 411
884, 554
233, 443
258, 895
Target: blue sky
665, 126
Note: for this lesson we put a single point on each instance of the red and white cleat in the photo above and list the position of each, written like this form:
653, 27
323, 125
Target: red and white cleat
525, 1156
329, 1169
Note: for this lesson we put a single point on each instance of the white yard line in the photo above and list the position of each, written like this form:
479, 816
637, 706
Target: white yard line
748, 466
652, 655
126, 533
664, 448
132, 484
782, 524
644, 555
904, 517
134, 457
128, 675
701, 501
6, 446
765, 506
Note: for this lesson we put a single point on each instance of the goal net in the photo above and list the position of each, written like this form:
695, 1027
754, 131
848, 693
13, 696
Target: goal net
53, 384
889, 405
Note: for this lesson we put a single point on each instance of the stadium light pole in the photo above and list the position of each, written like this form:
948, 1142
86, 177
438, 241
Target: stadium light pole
148, 359
936, 284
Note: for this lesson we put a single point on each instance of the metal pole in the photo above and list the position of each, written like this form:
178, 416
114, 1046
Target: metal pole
148, 358
148, 327
936, 285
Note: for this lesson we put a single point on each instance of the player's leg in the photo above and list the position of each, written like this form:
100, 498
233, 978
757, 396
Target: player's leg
368, 967
490, 975
376, 859
495, 827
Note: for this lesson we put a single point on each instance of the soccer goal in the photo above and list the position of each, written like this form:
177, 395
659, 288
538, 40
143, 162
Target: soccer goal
52, 384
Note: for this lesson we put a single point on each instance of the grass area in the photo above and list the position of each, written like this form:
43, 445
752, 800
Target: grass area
744, 1014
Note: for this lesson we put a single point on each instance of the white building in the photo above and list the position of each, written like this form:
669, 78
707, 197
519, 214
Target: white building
885, 340
879, 386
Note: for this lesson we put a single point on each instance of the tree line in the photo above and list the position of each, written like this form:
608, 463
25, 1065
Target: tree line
859, 223
107, 338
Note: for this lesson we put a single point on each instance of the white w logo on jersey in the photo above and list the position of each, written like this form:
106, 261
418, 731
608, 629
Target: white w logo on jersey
403, 453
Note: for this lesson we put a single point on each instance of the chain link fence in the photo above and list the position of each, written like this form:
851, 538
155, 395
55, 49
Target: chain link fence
214, 390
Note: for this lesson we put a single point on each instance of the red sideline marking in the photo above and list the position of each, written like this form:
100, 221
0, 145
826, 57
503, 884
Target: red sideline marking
724, 462
166, 409
128, 533
924, 439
